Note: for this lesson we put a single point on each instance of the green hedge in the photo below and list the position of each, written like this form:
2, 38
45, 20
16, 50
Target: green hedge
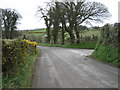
14, 53
106, 53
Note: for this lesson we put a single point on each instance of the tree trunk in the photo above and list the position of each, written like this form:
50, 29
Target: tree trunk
48, 35
78, 37
77, 34
7, 32
55, 34
48, 24
63, 36
72, 37
11, 33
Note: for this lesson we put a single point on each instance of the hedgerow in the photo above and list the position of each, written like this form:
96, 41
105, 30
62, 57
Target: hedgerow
107, 48
14, 53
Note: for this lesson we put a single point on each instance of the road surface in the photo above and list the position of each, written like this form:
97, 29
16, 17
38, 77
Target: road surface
72, 68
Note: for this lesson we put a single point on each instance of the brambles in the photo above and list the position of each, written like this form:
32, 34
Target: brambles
14, 53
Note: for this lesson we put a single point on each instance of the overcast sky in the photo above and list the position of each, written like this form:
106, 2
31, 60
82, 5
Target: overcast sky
28, 8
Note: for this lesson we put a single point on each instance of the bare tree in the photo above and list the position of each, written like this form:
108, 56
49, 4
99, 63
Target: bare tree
72, 14
92, 11
46, 14
85, 11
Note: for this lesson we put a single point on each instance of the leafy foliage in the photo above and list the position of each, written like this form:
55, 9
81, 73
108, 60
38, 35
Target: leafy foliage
9, 22
109, 35
14, 53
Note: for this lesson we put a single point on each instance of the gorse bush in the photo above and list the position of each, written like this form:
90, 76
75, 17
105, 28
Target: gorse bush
31, 43
14, 53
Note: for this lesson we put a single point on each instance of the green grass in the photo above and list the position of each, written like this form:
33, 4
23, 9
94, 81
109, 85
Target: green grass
82, 45
23, 77
90, 33
38, 34
107, 54
34, 32
43, 32
86, 33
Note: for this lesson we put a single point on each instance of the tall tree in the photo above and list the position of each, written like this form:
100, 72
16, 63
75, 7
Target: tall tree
62, 20
56, 21
69, 6
89, 11
46, 14
10, 18
70, 15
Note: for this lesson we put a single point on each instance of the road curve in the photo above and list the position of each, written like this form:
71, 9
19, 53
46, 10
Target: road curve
71, 68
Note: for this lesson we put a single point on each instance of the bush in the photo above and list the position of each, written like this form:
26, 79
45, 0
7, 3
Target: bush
14, 53
107, 47
109, 35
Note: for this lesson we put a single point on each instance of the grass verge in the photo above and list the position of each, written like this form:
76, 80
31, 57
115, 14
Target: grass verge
82, 45
23, 76
107, 54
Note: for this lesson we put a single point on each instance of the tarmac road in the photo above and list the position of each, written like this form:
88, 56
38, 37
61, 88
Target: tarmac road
72, 68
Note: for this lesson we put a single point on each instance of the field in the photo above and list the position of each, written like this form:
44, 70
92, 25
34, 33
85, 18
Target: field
40, 32
39, 35
91, 32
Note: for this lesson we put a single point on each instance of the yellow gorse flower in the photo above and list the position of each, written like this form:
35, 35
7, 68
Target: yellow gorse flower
31, 43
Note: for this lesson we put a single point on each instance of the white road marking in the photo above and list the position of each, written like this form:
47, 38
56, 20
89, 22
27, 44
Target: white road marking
78, 52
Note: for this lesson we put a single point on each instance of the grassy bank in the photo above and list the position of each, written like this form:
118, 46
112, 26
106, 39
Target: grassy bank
107, 54
22, 78
82, 45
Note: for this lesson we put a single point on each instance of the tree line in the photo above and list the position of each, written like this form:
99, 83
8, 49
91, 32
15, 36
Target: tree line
68, 16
